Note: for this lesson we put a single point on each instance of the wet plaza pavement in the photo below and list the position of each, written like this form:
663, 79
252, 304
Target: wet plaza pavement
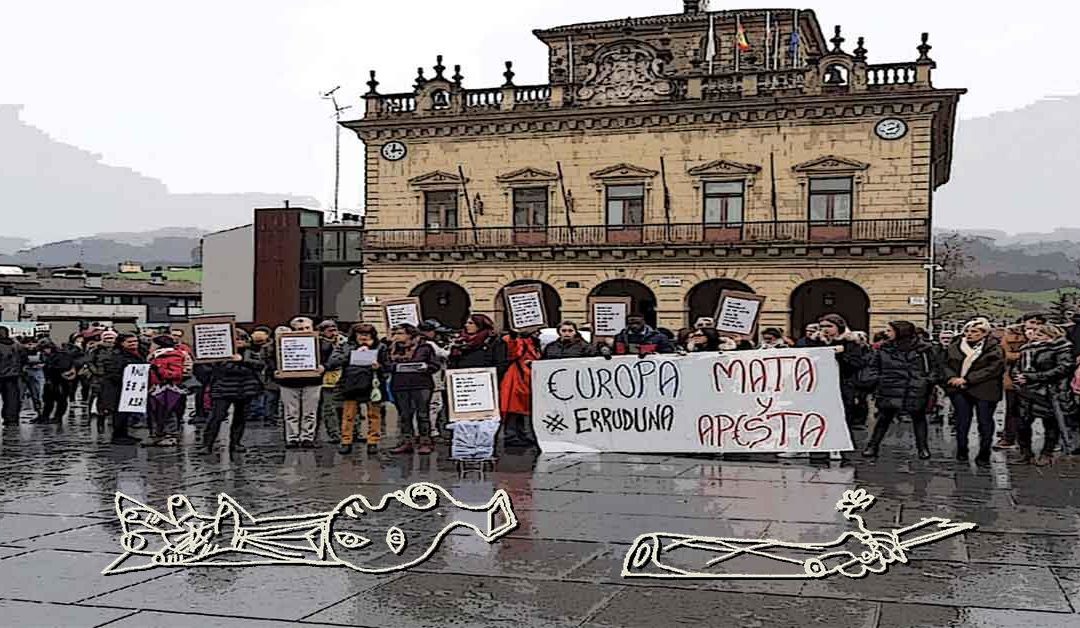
561, 566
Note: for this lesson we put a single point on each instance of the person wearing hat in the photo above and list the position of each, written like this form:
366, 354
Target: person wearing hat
97, 362
166, 375
330, 401
435, 334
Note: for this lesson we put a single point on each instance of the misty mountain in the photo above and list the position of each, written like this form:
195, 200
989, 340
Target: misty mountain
10, 245
1014, 170
56, 191
103, 253
1029, 262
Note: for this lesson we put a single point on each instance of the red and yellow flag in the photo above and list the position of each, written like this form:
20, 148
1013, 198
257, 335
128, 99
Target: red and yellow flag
740, 36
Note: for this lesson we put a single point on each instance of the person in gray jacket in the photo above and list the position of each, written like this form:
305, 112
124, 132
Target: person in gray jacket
11, 363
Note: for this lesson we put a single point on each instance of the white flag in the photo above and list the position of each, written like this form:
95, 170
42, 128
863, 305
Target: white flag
710, 47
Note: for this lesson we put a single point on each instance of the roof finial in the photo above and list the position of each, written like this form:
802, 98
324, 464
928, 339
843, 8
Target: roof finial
860, 52
439, 67
420, 80
924, 48
372, 84
457, 75
836, 41
509, 74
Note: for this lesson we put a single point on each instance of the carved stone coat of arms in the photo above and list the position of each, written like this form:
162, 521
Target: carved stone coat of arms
625, 72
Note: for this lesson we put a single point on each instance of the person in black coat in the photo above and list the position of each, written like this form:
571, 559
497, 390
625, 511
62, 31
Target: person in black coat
234, 384
904, 371
12, 359
1042, 378
569, 344
478, 346
851, 358
974, 366
640, 339
127, 351
60, 373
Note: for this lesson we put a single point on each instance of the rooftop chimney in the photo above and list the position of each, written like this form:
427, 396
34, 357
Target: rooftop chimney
693, 6
157, 278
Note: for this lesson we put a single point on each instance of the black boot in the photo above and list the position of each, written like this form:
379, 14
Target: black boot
922, 439
881, 427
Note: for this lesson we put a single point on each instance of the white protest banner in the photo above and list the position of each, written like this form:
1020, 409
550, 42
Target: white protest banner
608, 315
134, 388
212, 338
525, 307
738, 313
740, 401
298, 354
400, 311
474, 394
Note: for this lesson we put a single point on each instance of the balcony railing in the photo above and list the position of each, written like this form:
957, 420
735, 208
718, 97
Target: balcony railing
879, 231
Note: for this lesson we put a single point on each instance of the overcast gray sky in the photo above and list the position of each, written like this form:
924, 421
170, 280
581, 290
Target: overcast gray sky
223, 95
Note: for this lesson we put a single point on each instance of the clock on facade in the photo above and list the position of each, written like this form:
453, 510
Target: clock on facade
891, 129
394, 151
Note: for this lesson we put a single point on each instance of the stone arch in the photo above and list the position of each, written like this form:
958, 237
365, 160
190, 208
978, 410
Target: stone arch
642, 298
444, 300
817, 297
702, 299
552, 303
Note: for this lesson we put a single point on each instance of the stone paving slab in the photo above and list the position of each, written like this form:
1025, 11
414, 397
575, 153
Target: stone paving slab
1069, 580
1025, 549
707, 609
17, 528
271, 592
31, 614
910, 616
439, 600
155, 619
48, 575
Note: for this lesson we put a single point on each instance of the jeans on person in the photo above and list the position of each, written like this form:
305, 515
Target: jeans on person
330, 404
10, 399
34, 380
120, 423
965, 406
301, 412
57, 393
219, 413
1012, 415
413, 408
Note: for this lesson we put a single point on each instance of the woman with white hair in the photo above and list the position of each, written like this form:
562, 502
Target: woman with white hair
1042, 378
974, 379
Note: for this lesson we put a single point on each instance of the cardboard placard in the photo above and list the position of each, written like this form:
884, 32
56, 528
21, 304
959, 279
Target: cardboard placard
738, 313
398, 311
525, 311
134, 389
607, 315
473, 394
213, 338
297, 354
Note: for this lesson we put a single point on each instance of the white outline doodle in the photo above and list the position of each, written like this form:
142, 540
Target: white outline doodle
873, 551
233, 538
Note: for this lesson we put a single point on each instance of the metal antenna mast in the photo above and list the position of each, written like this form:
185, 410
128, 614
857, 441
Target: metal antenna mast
337, 145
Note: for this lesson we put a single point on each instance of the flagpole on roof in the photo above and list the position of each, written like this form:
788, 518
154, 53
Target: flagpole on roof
738, 50
768, 42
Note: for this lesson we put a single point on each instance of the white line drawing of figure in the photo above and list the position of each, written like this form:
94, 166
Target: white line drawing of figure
344, 536
855, 553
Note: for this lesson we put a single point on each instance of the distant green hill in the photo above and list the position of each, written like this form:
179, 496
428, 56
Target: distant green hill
190, 274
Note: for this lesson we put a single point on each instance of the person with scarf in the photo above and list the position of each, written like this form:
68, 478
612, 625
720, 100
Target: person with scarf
903, 371
126, 351
1042, 378
1012, 341
515, 388
974, 377
234, 384
640, 339
411, 361
706, 339
850, 357
569, 344
478, 346
773, 338
166, 376
359, 384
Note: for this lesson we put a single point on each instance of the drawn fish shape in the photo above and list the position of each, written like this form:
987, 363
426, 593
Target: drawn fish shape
399, 531
422, 515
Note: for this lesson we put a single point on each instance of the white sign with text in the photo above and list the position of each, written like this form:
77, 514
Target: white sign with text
744, 401
134, 389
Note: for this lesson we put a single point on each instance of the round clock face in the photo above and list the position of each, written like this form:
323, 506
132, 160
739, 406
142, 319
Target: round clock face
891, 129
394, 151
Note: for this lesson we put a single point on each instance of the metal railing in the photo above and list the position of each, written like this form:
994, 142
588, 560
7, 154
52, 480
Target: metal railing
875, 231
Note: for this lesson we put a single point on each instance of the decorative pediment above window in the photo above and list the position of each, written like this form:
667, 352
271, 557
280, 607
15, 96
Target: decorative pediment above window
527, 175
830, 164
724, 168
623, 171
436, 179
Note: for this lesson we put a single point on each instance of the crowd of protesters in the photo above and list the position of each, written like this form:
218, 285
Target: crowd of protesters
901, 374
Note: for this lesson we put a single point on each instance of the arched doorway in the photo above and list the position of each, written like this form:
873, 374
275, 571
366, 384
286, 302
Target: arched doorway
552, 303
444, 300
703, 298
642, 299
813, 299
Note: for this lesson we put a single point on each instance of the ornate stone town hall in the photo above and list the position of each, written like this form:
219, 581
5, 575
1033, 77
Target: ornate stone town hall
666, 158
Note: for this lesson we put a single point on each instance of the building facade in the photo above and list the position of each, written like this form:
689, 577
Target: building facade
664, 161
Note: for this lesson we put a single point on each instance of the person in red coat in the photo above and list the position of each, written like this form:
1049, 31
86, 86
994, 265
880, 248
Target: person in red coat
515, 389
166, 375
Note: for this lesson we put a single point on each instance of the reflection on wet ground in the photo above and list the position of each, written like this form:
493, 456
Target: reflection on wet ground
561, 567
